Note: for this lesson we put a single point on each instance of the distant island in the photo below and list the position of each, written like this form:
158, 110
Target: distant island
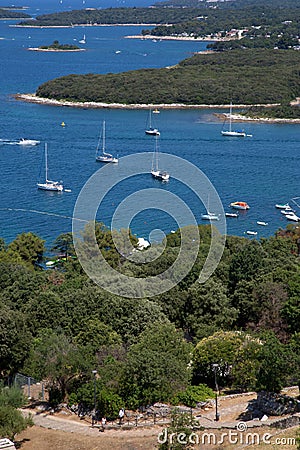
57, 47
12, 12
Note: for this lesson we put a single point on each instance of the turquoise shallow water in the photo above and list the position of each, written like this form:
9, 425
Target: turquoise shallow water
262, 170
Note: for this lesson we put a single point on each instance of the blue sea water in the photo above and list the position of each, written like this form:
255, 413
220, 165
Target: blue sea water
262, 170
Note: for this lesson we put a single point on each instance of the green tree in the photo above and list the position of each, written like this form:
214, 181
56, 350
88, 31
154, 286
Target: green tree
236, 354
11, 420
15, 340
157, 365
54, 357
275, 364
28, 247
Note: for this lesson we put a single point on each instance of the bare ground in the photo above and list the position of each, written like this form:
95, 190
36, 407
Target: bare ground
83, 437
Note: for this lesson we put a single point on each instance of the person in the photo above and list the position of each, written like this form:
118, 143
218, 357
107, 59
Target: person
121, 416
103, 423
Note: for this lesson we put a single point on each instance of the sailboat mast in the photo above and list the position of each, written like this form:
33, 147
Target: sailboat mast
46, 162
156, 152
103, 138
230, 112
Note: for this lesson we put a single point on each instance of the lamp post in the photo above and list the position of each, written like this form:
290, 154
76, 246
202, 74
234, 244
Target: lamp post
94, 372
215, 368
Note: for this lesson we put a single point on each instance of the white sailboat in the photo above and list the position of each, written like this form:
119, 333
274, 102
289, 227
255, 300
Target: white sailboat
161, 175
49, 185
151, 130
82, 41
101, 154
230, 132
209, 215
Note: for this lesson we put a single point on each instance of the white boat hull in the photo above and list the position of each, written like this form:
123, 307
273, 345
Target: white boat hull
153, 132
159, 175
209, 217
107, 159
51, 186
234, 133
28, 142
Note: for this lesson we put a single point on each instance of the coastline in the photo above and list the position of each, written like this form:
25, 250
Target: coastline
37, 49
32, 98
174, 38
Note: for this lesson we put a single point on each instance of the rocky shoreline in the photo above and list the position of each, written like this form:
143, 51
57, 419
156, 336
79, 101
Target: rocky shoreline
37, 49
32, 98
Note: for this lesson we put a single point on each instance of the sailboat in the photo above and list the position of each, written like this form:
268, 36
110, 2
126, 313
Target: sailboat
161, 175
209, 215
82, 41
230, 132
101, 154
49, 185
151, 130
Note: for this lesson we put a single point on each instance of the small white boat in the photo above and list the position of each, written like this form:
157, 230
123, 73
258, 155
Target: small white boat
283, 206
287, 212
293, 217
264, 224
231, 215
49, 185
209, 216
156, 111
251, 233
161, 175
23, 141
101, 154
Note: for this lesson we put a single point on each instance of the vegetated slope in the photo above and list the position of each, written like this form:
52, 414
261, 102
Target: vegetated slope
242, 76
114, 16
7, 13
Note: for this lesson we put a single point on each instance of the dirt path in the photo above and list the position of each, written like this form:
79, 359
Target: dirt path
68, 432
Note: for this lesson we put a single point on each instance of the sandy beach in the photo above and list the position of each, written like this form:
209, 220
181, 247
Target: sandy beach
32, 98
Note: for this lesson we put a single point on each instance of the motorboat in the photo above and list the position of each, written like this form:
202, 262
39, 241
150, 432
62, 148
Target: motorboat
293, 217
283, 206
231, 214
263, 224
209, 216
251, 233
240, 205
287, 212
24, 141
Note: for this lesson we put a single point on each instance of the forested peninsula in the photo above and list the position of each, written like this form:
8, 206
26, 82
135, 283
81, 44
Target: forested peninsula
12, 13
204, 79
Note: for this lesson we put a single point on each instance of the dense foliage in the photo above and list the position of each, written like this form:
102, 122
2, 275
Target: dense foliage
9, 13
203, 79
114, 16
57, 326
57, 46
11, 419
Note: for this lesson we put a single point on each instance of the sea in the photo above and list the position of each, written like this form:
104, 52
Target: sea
261, 169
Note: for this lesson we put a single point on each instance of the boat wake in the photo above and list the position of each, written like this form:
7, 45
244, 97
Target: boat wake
46, 213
